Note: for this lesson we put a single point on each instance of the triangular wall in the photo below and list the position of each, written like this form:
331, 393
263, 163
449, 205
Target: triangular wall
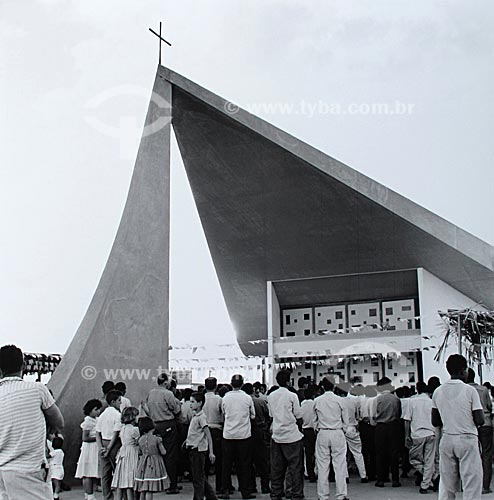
124, 334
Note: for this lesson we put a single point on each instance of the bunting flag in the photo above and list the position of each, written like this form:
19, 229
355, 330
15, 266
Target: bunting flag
41, 363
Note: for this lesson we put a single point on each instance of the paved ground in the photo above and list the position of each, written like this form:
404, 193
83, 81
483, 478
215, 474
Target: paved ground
356, 491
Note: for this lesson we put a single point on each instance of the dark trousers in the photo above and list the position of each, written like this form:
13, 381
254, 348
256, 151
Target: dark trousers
367, 436
240, 452
310, 452
388, 451
168, 431
107, 466
217, 437
259, 458
287, 459
485, 441
202, 488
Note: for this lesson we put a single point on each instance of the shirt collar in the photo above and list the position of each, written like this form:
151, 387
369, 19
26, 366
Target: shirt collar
11, 379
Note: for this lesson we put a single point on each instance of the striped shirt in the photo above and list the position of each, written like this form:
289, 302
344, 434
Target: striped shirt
22, 424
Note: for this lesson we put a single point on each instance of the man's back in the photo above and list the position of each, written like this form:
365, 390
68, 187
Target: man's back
162, 404
418, 412
455, 402
284, 408
22, 424
238, 409
330, 412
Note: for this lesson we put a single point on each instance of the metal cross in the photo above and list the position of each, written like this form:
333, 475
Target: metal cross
161, 39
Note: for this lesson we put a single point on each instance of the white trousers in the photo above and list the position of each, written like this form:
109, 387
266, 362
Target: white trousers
25, 486
352, 436
459, 459
331, 446
422, 459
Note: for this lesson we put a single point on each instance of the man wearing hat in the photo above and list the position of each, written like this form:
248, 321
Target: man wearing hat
238, 411
387, 419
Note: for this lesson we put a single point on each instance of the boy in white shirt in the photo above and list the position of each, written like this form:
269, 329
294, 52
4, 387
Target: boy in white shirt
108, 423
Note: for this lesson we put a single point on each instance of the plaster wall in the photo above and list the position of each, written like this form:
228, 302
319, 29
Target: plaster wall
436, 295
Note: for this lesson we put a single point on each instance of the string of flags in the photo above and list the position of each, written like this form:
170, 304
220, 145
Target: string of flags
41, 363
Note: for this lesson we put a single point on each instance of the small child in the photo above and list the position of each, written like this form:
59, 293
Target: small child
128, 455
87, 466
56, 466
151, 474
198, 443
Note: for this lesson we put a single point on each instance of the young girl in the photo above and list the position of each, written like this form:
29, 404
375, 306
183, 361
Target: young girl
198, 443
87, 467
56, 466
128, 456
151, 474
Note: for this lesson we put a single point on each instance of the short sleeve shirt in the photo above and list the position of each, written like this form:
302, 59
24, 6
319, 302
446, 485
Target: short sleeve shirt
109, 422
196, 437
418, 412
22, 424
455, 402
284, 408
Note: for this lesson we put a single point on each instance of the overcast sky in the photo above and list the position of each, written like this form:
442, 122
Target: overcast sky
63, 183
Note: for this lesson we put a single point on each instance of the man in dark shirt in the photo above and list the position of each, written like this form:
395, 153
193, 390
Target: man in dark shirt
387, 418
163, 407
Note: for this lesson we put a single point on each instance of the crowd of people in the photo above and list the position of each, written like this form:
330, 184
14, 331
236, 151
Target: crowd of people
440, 433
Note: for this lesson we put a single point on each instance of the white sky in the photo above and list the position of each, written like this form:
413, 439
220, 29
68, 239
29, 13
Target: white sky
63, 184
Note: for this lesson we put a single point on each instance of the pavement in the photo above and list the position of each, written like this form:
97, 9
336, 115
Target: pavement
356, 491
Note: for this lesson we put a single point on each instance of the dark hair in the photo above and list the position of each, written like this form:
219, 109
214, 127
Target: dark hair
257, 385
309, 393
187, 393
248, 388
113, 395
129, 415
162, 378
57, 442
210, 383
421, 387
91, 405
107, 387
433, 383
120, 386
301, 382
455, 364
273, 388
199, 397
327, 385
224, 389
470, 376
237, 381
11, 360
283, 377
145, 425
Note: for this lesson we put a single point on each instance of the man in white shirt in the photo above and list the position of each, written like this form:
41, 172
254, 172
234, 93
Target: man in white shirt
309, 430
420, 437
351, 404
26, 410
214, 416
331, 422
108, 423
485, 432
456, 408
287, 449
238, 411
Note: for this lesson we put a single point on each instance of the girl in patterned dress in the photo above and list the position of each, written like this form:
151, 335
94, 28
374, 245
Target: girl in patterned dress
151, 476
128, 456
87, 466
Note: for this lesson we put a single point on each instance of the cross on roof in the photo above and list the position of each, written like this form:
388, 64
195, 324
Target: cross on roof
161, 39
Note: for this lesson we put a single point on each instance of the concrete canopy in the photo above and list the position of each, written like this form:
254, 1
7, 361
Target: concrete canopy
274, 208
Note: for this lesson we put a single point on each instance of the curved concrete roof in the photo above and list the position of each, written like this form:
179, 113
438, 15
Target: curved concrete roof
275, 208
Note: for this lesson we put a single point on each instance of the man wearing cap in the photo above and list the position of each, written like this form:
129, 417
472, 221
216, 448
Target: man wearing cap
287, 448
387, 419
238, 411
163, 408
